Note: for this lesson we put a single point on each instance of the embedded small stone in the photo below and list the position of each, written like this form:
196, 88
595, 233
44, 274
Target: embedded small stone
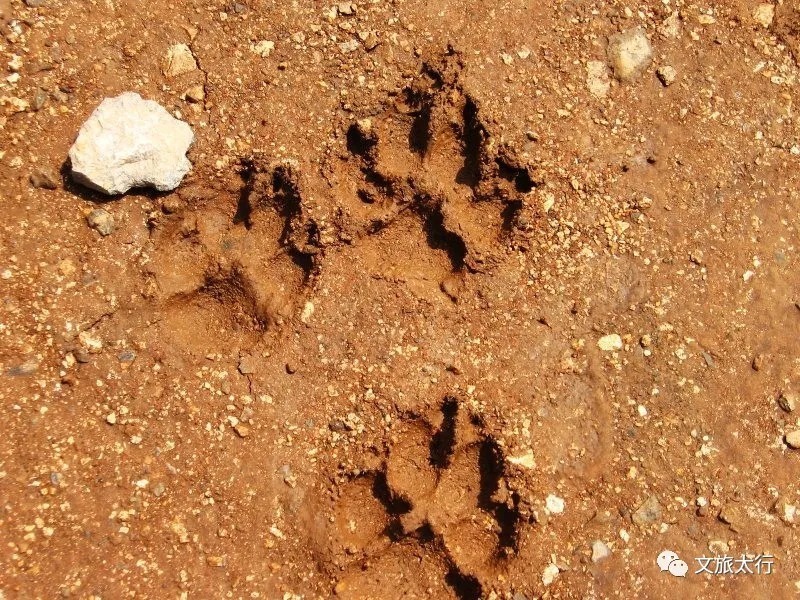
610, 342
102, 221
666, 75
793, 439
630, 53
179, 61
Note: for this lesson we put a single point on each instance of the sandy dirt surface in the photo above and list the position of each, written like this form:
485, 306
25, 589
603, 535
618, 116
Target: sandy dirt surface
445, 309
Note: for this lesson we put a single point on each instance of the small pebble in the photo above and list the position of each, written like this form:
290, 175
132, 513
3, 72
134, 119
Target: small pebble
649, 512
793, 439
788, 401
629, 53
39, 99
127, 356
666, 75
101, 221
44, 178
26, 368
196, 93
550, 573
247, 365
600, 551
610, 342
179, 61
554, 505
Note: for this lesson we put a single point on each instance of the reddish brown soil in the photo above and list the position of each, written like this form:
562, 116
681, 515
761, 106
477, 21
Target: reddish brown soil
357, 350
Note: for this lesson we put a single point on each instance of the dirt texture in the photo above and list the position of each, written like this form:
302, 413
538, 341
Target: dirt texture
443, 309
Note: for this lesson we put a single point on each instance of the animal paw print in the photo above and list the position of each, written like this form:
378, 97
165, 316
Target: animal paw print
227, 266
433, 157
437, 521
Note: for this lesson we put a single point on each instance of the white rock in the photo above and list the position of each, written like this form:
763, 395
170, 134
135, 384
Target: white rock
179, 61
600, 551
554, 505
129, 142
597, 78
793, 439
610, 342
550, 573
263, 48
763, 14
671, 26
666, 75
630, 53
524, 460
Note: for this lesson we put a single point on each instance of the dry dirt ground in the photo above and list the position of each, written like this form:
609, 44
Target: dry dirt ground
369, 349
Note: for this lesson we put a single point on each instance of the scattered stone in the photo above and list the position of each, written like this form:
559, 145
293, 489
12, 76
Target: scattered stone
289, 478
27, 368
788, 401
718, 547
101, 220
667, 76
763, 14
630, 53
263, 48
90, 343
550, 573
597, 78
44, 178
34, 3
216, 561
82, 356
247, 365
554, 505
15, 64
788, 513
242, 430
127, 356
730, 515
196, 93
524, 460
610, 342
709, 360
158, 489
347, 8
291, 369
130, 142
369, 39
348, 46
758, 362
39, 99
308, 312
649, 512
179, 61
16, 105
451, 286
172, 205
111, 418
793, 439
600, 551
